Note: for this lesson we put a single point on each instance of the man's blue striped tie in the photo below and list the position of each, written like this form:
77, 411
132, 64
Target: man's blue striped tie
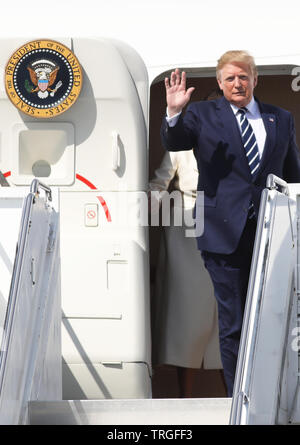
251, 148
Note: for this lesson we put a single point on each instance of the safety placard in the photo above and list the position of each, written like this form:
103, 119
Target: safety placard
91, 215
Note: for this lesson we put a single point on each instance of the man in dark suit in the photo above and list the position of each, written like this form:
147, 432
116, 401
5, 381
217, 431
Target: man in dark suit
238, 141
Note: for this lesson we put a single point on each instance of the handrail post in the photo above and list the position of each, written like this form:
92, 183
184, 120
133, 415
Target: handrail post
36, 185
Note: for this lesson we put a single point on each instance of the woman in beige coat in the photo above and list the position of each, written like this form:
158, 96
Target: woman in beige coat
185, 328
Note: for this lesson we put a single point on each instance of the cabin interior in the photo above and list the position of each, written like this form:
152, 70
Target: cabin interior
274, 87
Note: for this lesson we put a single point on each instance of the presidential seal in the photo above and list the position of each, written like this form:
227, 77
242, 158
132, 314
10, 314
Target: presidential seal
43, 78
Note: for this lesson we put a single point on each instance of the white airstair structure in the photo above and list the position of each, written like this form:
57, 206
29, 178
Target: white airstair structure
30, 360
267, 378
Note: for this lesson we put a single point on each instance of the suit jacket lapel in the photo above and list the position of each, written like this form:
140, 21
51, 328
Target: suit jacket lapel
270, 123
232, 133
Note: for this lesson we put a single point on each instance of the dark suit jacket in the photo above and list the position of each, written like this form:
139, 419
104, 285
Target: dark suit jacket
211, 129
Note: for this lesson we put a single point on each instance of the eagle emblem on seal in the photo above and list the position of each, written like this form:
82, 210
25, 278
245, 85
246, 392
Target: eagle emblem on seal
43, 75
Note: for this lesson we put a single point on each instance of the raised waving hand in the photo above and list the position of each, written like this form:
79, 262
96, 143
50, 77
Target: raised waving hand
176, 93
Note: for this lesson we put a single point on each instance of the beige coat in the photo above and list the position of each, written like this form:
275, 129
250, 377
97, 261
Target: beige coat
185, 328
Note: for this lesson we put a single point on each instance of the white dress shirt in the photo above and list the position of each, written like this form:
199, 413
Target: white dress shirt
253, 115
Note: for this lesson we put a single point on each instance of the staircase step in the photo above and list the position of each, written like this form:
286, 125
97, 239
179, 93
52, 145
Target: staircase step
212, 411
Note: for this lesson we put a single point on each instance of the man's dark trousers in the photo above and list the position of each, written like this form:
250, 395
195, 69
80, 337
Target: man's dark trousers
230, 275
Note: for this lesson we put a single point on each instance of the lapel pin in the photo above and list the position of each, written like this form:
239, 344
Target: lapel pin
271, 119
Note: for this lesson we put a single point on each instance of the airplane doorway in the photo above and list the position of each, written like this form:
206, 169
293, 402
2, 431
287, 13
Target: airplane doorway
274, 87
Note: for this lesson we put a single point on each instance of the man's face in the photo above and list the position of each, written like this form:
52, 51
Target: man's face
237, 83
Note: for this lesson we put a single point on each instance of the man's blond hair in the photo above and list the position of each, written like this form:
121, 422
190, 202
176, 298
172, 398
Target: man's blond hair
236, 56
